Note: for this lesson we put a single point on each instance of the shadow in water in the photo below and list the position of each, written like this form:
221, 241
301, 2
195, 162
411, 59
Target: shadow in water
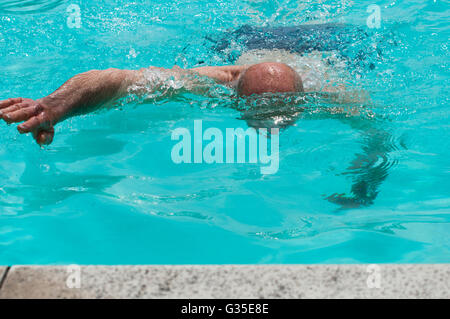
368, 169
39, 189
45, 182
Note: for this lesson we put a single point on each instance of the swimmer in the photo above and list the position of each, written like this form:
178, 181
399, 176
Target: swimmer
87, 91
264, 69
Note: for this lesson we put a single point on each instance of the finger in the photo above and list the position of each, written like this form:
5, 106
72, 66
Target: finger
10, 102
44, 137
16, 107
10, 109
22, 114
32, 124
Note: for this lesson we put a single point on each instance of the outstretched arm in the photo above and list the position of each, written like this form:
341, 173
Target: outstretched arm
81, 94
87, 91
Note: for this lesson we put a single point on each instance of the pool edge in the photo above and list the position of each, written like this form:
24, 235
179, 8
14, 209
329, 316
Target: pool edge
228, 281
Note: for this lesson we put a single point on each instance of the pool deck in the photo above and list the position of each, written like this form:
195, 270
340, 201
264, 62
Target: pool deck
228, 281
2, 275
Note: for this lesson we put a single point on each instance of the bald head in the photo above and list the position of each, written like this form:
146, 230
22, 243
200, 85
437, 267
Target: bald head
269, 77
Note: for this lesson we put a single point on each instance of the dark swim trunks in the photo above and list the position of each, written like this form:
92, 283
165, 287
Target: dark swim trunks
341, 38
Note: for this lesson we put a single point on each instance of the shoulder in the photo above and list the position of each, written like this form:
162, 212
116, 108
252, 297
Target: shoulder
223, 74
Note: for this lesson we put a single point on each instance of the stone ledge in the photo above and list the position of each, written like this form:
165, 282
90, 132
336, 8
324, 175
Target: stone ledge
2, 273
228, 281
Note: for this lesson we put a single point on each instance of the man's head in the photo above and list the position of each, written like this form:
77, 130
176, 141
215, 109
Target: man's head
269, 77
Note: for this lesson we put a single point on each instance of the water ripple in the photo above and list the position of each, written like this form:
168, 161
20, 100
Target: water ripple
29, 6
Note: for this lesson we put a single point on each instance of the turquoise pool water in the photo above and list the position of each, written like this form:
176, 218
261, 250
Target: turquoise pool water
107, 192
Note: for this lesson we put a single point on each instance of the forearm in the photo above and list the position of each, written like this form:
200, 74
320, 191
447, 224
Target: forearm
85, 92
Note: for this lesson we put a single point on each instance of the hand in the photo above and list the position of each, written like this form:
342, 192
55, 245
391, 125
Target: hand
37, 118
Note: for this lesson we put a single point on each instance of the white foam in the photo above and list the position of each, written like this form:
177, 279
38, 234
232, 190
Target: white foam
316, 69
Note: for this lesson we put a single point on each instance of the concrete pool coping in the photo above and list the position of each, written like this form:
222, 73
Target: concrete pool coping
228, 281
